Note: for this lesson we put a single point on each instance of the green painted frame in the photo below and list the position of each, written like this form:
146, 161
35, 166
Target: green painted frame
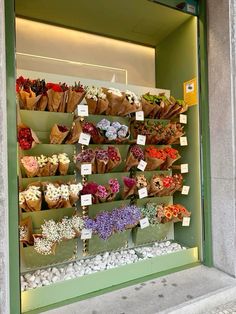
15, 295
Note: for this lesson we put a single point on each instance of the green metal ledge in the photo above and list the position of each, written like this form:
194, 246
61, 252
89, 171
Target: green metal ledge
33, 301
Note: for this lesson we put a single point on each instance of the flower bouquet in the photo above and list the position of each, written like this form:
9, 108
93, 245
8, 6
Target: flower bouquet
154, 157
56, 97
53, 165
171, 156
96, 100
44, 166
26, 229
115, 99
141, 182
170, 184
64, 162
150, 105
30, 199
30, 166
52, 195
27, 139
171, 108
102, 160
135, 154
75, 131
75, 95
114, 158
168, 213
74, 191
58, 134
153, 130
39, 88
130, 188
130, 104
173, 132
96, 136
113, 132
87, 157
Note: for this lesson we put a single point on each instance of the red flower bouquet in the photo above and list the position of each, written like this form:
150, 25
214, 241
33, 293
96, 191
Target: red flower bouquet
154, 157
171, 156
75, 95
27, 139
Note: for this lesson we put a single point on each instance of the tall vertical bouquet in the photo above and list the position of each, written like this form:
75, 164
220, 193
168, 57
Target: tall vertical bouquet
115, 99
56, 96
154, 157
75, 95
135, 154
96, 100
130, 104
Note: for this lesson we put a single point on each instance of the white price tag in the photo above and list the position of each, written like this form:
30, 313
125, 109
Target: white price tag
142, 193
183, 118
191, 8
184, 168
82, 110
139, 116
144, 223
141, 139
86, 234
86, 169
185, 189
183, 141
142, 165
86, 200
186, 222
84, 138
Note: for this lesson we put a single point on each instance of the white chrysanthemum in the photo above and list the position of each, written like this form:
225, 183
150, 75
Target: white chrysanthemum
53, 192
66, 230
23, 232
50, 231
77, 223
63, 158
95, 93
43, 246
75, 188
53, 160
42, 160
21, 198
115, 91
65, 192
32, 193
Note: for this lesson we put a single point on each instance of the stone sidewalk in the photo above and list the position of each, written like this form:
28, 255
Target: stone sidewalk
228, 308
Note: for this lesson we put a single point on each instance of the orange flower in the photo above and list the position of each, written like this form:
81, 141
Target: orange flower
168, 214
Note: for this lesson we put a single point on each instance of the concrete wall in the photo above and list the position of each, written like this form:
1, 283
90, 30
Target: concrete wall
221, 61
4, 304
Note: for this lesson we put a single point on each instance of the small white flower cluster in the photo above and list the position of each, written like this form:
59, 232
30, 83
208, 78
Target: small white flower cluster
63, 158
115, 91
33, 193
53, 160
64, 191
53, 192
75, 188
132, 97
50, 231
23, 232
21, 198
77, 223
42, 160
66, 230
95, 93
43, 246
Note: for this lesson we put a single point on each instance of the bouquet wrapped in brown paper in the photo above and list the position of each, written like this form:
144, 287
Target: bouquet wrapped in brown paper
171, 156
171, 108
65, 196
114, 158
32, 199
150, 105
96, 136
141, 182
28, 100
75, 95
86, 157
26, 230
113, 131
115, 99
156, 185
53, 165
129, 187
39, 87
130, 104
102, 160
173, 132
27, 139
52, 195
96, 100
44, 166
154, 158
64, 163
74, 134
30, 166
56, 97
74, 189
135, 154
58, 134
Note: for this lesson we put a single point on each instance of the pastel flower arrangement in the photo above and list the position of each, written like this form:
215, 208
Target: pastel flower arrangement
113, 131
105, 224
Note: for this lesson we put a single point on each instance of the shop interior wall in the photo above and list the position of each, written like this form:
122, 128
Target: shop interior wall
56, 42
176, 62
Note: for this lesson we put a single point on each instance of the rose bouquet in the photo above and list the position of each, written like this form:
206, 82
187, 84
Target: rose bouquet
75, 95
30, 199
130, 188
130, 104
56, 96
113, 132
96, 136
171, 156
87, 157
75, 132
27, 139
30, 166
135, 154
154, 157
96, 100
58, 134
175, 213
115, 98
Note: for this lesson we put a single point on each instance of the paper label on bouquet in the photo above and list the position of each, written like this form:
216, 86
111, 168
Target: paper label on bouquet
142, 193
191, 8
86, 200
184, 168
86, 169
141, 139
183, 118
185, 189
83, 110
142, 165
84, 138
183, 141
144, 223
186, 222
139, 116
86, 234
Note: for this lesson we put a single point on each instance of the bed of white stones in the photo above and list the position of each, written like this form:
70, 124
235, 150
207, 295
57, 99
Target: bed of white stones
108, 260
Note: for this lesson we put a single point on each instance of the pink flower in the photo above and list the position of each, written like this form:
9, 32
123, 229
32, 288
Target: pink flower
29, 162
129, 182
114, 185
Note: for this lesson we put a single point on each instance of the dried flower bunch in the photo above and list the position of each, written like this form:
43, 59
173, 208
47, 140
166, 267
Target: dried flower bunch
39, 95
118, 220
157, 132
43, 166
